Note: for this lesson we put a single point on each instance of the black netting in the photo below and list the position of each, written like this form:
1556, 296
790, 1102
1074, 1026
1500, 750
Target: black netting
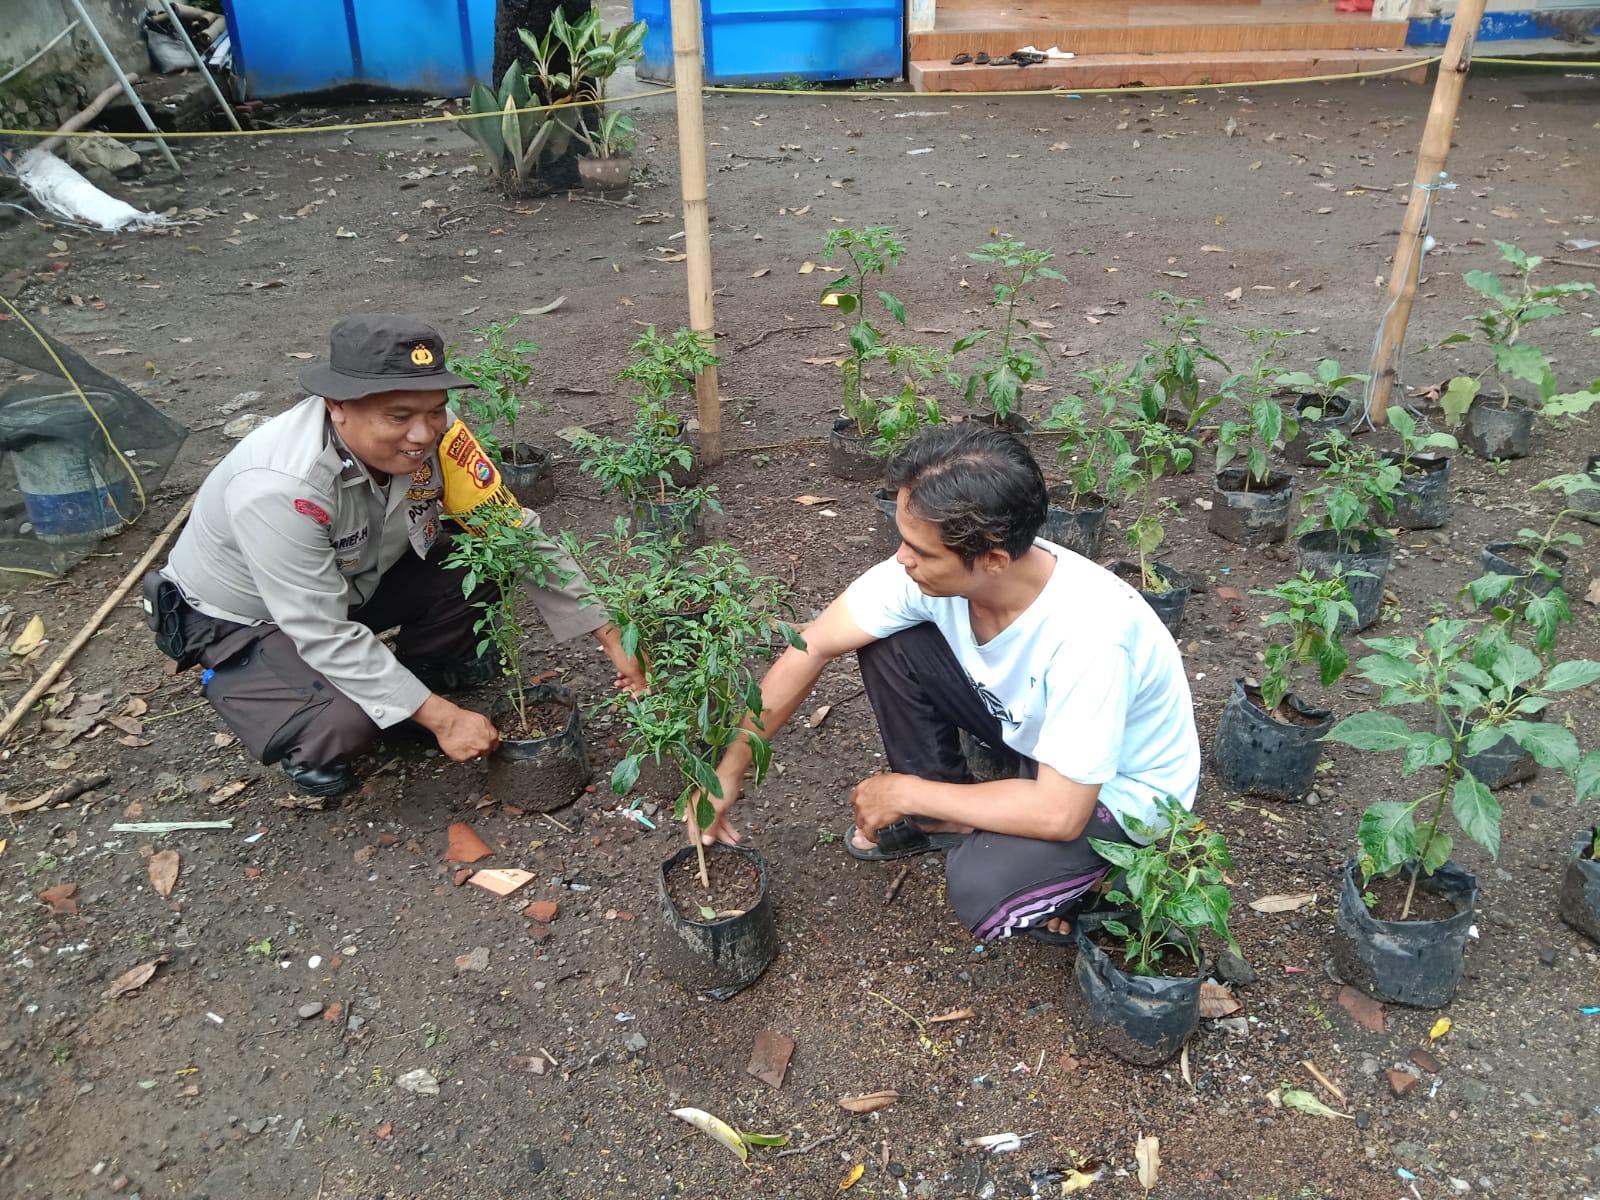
80, 453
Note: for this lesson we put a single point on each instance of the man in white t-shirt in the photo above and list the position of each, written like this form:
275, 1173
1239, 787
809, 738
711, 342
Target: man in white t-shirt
977, 624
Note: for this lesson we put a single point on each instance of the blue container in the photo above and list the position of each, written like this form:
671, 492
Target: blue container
434, 47
766, 41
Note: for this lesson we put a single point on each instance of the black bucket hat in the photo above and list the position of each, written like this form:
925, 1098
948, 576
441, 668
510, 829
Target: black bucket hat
381, 352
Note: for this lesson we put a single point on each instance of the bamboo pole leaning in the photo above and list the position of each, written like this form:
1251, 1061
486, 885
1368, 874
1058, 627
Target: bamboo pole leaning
1431, 157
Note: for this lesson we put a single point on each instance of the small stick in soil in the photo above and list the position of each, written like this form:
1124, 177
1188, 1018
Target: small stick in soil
555, 822
766, 333
59, 794
551, 1057
1333, 1089
811, 1145
921, 1028
893, 889
175, 712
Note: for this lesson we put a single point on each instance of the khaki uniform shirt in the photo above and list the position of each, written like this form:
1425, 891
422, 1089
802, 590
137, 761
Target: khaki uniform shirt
291, 528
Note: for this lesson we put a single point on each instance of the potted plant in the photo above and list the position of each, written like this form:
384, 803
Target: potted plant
1171, 890
1422, 499
1320, 407
1002, 372
513, 130
1155, 449
501, 370
1343, 516
1580, 885
1095, 453
1404, 906
871, 252
542, 762
1268, 738
611, 145
1250, 503
1500, 425
652, 465
1170, 368
694, 624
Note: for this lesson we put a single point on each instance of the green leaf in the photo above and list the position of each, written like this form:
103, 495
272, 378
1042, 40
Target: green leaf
1486, 283
1307, 1103
1372, 731
1551, 745
1426, 750
1387, 835
1477, 812
1118, 854
1586, 779
1565, 676
625, 775
1522, 361
896, 309
1458, 397
1440, 846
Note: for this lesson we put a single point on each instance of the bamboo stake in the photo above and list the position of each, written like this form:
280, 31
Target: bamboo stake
31, 696
689, 76
1435, 148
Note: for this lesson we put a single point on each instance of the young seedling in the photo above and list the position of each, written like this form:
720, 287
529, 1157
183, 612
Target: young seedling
1500, 327
1265, 424
1170, 368
899, 418
1157, 448
1322, 388
1095, 449
871, 251
499, 549
1173, 884
1479, 686
1412, 443
1001, 373
1354, 482
1312, 609
500, 370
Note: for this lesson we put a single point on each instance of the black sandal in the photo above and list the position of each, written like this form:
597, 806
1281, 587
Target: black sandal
903, 839
983, 58
961, 59
1005, 60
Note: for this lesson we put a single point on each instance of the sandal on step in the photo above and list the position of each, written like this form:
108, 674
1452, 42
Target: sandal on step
961, 60
983, 58
903, 839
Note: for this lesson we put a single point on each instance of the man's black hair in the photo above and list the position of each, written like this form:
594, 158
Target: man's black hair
978, 484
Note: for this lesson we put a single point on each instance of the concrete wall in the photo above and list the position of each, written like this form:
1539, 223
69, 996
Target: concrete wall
55, 86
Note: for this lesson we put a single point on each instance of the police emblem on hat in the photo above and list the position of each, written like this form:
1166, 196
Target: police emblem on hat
421, 355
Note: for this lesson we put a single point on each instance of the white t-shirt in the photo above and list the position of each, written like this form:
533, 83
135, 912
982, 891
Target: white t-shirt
1087, 680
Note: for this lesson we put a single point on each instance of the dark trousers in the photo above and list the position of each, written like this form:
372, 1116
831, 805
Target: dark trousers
997, 883
283, 710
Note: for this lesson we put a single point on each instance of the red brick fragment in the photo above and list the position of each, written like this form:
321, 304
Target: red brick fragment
1425, 1060
1401, 1082
542, 911
464, 874
1366, 1011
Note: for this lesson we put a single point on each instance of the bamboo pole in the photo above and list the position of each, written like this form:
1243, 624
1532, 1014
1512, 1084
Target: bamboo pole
688, 77
31, 696
1435, 149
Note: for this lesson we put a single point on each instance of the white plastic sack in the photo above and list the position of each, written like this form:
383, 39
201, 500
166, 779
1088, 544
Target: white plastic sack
69, 195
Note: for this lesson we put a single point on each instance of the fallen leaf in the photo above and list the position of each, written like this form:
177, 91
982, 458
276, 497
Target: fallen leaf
669, 258
1440, 1028
1592, 594
132, 980
823, 362
28, 641
1306, 1102
849, 1181
871, 1102
1217, 1000
955, 1014
299, 354
761, 272
227, 791
1286, 903
163, 870
1212, 250
128, 725
807, 267
136, 707
716, 1128
543, 309
221, 741
809, 501
1508, 213
1234, 295
1147, 1153
1075, 1180
821, 715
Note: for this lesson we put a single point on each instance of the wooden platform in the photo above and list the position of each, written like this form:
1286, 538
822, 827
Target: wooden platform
1155, 42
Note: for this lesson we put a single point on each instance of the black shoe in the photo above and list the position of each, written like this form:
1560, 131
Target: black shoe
332, 780
444, 678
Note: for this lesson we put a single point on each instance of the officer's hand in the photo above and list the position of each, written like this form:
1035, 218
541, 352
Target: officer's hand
463, 734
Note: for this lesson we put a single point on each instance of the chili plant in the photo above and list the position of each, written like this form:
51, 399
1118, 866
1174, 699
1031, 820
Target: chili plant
1312, 610
1002, 372
1322, 388
1171, 368
500, 370
1480, 686
1412, 443
1095, 449
500, 549
1265, 424
1173, 883
1354, 482
871, 251
900, 417
1156, 449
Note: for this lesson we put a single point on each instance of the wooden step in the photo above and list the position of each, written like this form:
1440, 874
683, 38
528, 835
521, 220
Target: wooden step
1160, 70
1196, 35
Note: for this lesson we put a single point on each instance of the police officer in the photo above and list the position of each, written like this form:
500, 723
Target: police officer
323, 528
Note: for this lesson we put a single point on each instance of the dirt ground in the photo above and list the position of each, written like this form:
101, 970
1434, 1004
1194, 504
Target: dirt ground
207, 1082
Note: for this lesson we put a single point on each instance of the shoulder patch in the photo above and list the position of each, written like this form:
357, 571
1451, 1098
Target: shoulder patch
313, 510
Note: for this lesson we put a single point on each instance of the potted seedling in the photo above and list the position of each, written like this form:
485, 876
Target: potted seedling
611, 145
1499, 424
1342, 527
871, 252
1404, 906
1156, 449
652, 465
694, 625
1170, 368
1095, 454
1146, 1001
1250, 502
1422, 499
542, 762
1320, 406
501, 369
1003, 371
1269, 738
